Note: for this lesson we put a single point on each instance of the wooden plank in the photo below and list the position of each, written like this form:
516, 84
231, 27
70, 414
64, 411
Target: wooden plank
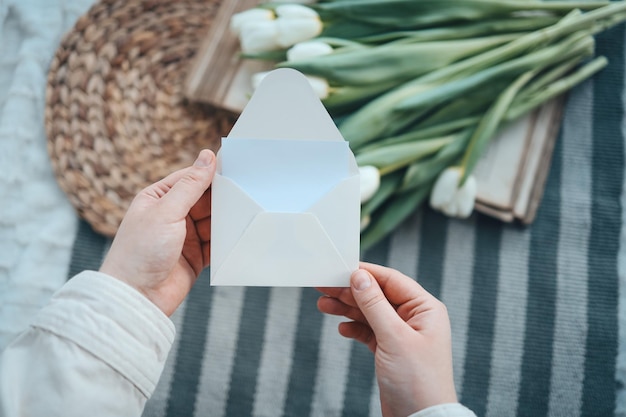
218, 75
511, 175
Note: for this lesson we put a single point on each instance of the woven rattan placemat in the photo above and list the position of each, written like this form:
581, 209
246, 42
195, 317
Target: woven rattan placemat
115, 115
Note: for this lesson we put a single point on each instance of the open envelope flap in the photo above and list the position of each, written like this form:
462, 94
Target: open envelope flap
339, 212
234, 210
284, 106
284, 249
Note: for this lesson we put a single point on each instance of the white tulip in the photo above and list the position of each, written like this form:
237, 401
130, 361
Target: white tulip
296, 11
370, 182
295, 1
365, 221
318, 84
257, 78
251, 15
449, 198
297, 29
259, 30
308, 49
260, 36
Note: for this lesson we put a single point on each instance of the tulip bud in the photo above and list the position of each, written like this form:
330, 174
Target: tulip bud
257, 78
449, 198
297, 29
238, 20
370, 182
259, 36
309, 49
318, 84
295, 1
365, 221
296, 11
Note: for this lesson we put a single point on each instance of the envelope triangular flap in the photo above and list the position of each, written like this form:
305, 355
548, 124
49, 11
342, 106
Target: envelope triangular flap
284, 249
339, 212
234, 210
284, 106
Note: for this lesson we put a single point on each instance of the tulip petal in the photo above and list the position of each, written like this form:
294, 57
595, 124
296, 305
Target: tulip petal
365, 221
466, 197
296, 11
259, 36
298, 29
319, 85
445, 188
451, 208
295, 1
257, 78
370, 182
238, 20
309, 49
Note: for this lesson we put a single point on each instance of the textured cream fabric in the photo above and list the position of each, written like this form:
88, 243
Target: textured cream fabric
445, 410
98, 348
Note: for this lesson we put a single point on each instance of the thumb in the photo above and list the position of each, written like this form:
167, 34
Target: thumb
380, 314
189, 188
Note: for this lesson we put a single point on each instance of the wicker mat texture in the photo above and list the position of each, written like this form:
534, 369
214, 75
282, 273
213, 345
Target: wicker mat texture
534, 311
116, 117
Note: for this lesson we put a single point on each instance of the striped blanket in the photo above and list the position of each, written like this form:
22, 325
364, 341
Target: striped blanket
534, 311
538, 313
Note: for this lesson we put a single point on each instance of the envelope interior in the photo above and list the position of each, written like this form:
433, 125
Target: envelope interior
285, 175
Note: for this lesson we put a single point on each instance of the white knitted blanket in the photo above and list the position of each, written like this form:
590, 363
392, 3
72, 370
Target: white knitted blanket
37, 223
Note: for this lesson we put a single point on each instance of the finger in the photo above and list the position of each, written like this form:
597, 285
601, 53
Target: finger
397, 287
359, 332
203, 228
333, 306
202, 209
340, 293
332, 291
187, 190
380, 314
192, 248
206, 253
157, 190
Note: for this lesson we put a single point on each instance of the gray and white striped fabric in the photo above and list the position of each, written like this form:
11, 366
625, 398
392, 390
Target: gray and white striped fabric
534, 311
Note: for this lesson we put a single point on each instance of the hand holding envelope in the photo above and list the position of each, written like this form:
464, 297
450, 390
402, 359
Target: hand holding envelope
285, 198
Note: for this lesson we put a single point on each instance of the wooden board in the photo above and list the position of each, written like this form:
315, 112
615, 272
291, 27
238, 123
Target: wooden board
218, 75
512, 172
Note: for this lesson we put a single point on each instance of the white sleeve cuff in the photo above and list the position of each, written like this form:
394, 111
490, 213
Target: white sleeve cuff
115, 323
445, 410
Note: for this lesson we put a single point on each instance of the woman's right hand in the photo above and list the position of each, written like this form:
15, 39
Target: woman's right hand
406, 328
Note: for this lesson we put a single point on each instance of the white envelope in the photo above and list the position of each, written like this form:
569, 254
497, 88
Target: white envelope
285, 206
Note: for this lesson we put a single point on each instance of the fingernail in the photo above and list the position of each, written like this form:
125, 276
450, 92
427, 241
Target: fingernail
361, 280
204, 159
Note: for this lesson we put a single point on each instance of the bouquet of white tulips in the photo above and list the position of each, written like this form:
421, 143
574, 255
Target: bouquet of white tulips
418, 88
